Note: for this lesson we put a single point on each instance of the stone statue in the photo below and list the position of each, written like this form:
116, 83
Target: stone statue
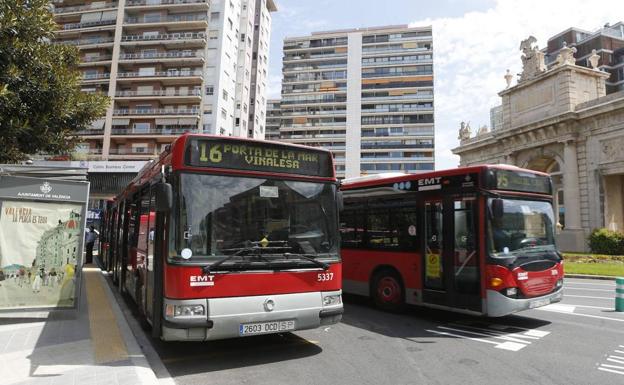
464, 132
593, 60
532, 59
483, 130
508, 77
566, 55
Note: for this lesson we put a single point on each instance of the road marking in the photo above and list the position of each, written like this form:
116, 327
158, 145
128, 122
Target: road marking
583, 288
585, 296
545, 308
563, 308
513, 338
565, 283
617, 369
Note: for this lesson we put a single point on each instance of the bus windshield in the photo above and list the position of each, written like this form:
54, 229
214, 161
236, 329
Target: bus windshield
519, 226
226, 215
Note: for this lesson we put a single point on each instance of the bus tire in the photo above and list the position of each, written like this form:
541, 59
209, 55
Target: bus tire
387, 291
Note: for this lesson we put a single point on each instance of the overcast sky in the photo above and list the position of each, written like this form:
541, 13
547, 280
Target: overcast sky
474, 43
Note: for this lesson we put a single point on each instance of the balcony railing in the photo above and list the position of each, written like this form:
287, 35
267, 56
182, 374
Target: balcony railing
99, 40
88, 24
137, 3
95, 76
90, 132
158, 74
87, 7
160, 55
146, 151
394, 97
166, 36
155, 111
166, 19
157, 93
91, 59
154, 131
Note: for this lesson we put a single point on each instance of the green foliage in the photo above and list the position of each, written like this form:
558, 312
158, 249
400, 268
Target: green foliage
41, 105
605, 241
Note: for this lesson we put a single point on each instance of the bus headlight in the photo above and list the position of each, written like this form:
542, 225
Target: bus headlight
559, 283
184, 310
511, 291
332, 299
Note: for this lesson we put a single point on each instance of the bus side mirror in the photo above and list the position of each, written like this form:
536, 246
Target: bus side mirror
339, 200
164, 197
497, 208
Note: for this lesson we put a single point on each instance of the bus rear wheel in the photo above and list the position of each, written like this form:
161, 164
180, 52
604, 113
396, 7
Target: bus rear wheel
387, 291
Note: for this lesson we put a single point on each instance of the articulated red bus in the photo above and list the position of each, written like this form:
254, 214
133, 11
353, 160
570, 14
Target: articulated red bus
479, 240
225, 237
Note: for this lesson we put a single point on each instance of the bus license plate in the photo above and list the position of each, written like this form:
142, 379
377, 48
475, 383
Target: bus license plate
266, 327
539, 303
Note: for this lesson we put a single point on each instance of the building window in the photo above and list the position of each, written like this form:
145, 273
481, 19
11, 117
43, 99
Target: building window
225, 95
213, 35
214, 16
209, 90
223, 113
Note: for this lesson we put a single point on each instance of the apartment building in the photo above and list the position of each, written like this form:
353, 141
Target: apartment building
365, 94
273, 120
169, 67
608, 42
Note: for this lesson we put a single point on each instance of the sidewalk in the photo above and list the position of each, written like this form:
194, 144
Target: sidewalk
90, 345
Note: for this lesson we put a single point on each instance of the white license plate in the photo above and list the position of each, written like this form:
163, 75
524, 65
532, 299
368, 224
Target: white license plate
539, 303
266, 327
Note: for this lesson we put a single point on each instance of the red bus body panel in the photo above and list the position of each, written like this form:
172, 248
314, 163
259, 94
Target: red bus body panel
360, 264
178, 282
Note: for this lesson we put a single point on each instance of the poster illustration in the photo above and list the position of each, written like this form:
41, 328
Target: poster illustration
38, 250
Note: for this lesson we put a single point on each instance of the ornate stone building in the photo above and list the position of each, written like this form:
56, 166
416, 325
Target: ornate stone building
559, 121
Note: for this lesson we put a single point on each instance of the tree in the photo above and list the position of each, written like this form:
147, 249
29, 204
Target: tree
41, 104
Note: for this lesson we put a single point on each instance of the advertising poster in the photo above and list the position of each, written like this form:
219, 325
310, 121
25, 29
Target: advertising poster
39, 244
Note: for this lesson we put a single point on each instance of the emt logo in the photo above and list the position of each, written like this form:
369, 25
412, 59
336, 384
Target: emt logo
201, 280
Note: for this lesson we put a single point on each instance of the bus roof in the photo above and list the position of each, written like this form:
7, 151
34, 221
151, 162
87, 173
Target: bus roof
391, 177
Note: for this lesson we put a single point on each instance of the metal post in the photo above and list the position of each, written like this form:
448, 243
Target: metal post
619, 294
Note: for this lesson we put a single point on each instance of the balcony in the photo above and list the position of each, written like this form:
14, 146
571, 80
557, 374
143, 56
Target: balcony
138, 151
181, 56
95, 59
143, 112
199, 19
90, 24
185, 38
95, 77
154, 131
191, 96
160, 74
159, 4
366, 98
81, 8
90, 41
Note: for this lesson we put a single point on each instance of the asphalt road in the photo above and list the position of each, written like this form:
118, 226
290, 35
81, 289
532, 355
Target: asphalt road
577, 341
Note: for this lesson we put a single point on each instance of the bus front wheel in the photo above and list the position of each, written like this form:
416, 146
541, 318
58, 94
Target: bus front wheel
387, 291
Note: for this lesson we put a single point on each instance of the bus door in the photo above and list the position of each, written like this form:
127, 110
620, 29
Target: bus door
450, 257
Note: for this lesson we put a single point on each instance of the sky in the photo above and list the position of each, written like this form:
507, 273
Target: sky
474, 43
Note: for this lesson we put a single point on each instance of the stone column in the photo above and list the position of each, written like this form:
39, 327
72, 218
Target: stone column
572, 238
571, 187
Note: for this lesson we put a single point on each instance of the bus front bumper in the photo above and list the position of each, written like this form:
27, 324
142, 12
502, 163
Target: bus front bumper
499, 305
226, 317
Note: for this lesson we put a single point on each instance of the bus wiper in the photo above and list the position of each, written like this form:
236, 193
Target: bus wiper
212, 266
309, 257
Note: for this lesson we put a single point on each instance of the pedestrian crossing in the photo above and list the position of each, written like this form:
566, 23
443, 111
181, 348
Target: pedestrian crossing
614, 363
505, 337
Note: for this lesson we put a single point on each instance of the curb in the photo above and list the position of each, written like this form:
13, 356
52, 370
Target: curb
139, 351
587, 276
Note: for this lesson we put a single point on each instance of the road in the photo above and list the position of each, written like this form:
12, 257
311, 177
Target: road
577, 341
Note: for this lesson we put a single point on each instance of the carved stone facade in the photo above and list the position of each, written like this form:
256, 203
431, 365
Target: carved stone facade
560, 121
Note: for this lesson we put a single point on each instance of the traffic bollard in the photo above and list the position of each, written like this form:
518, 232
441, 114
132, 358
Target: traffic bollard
619, 294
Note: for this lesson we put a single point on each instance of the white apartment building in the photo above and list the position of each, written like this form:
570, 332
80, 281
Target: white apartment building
365, 94
169, 67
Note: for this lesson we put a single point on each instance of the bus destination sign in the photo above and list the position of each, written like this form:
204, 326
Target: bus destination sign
255, 156
522, 181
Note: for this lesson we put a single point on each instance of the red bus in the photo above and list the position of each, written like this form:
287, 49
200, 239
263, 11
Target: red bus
479, 240
225, 237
